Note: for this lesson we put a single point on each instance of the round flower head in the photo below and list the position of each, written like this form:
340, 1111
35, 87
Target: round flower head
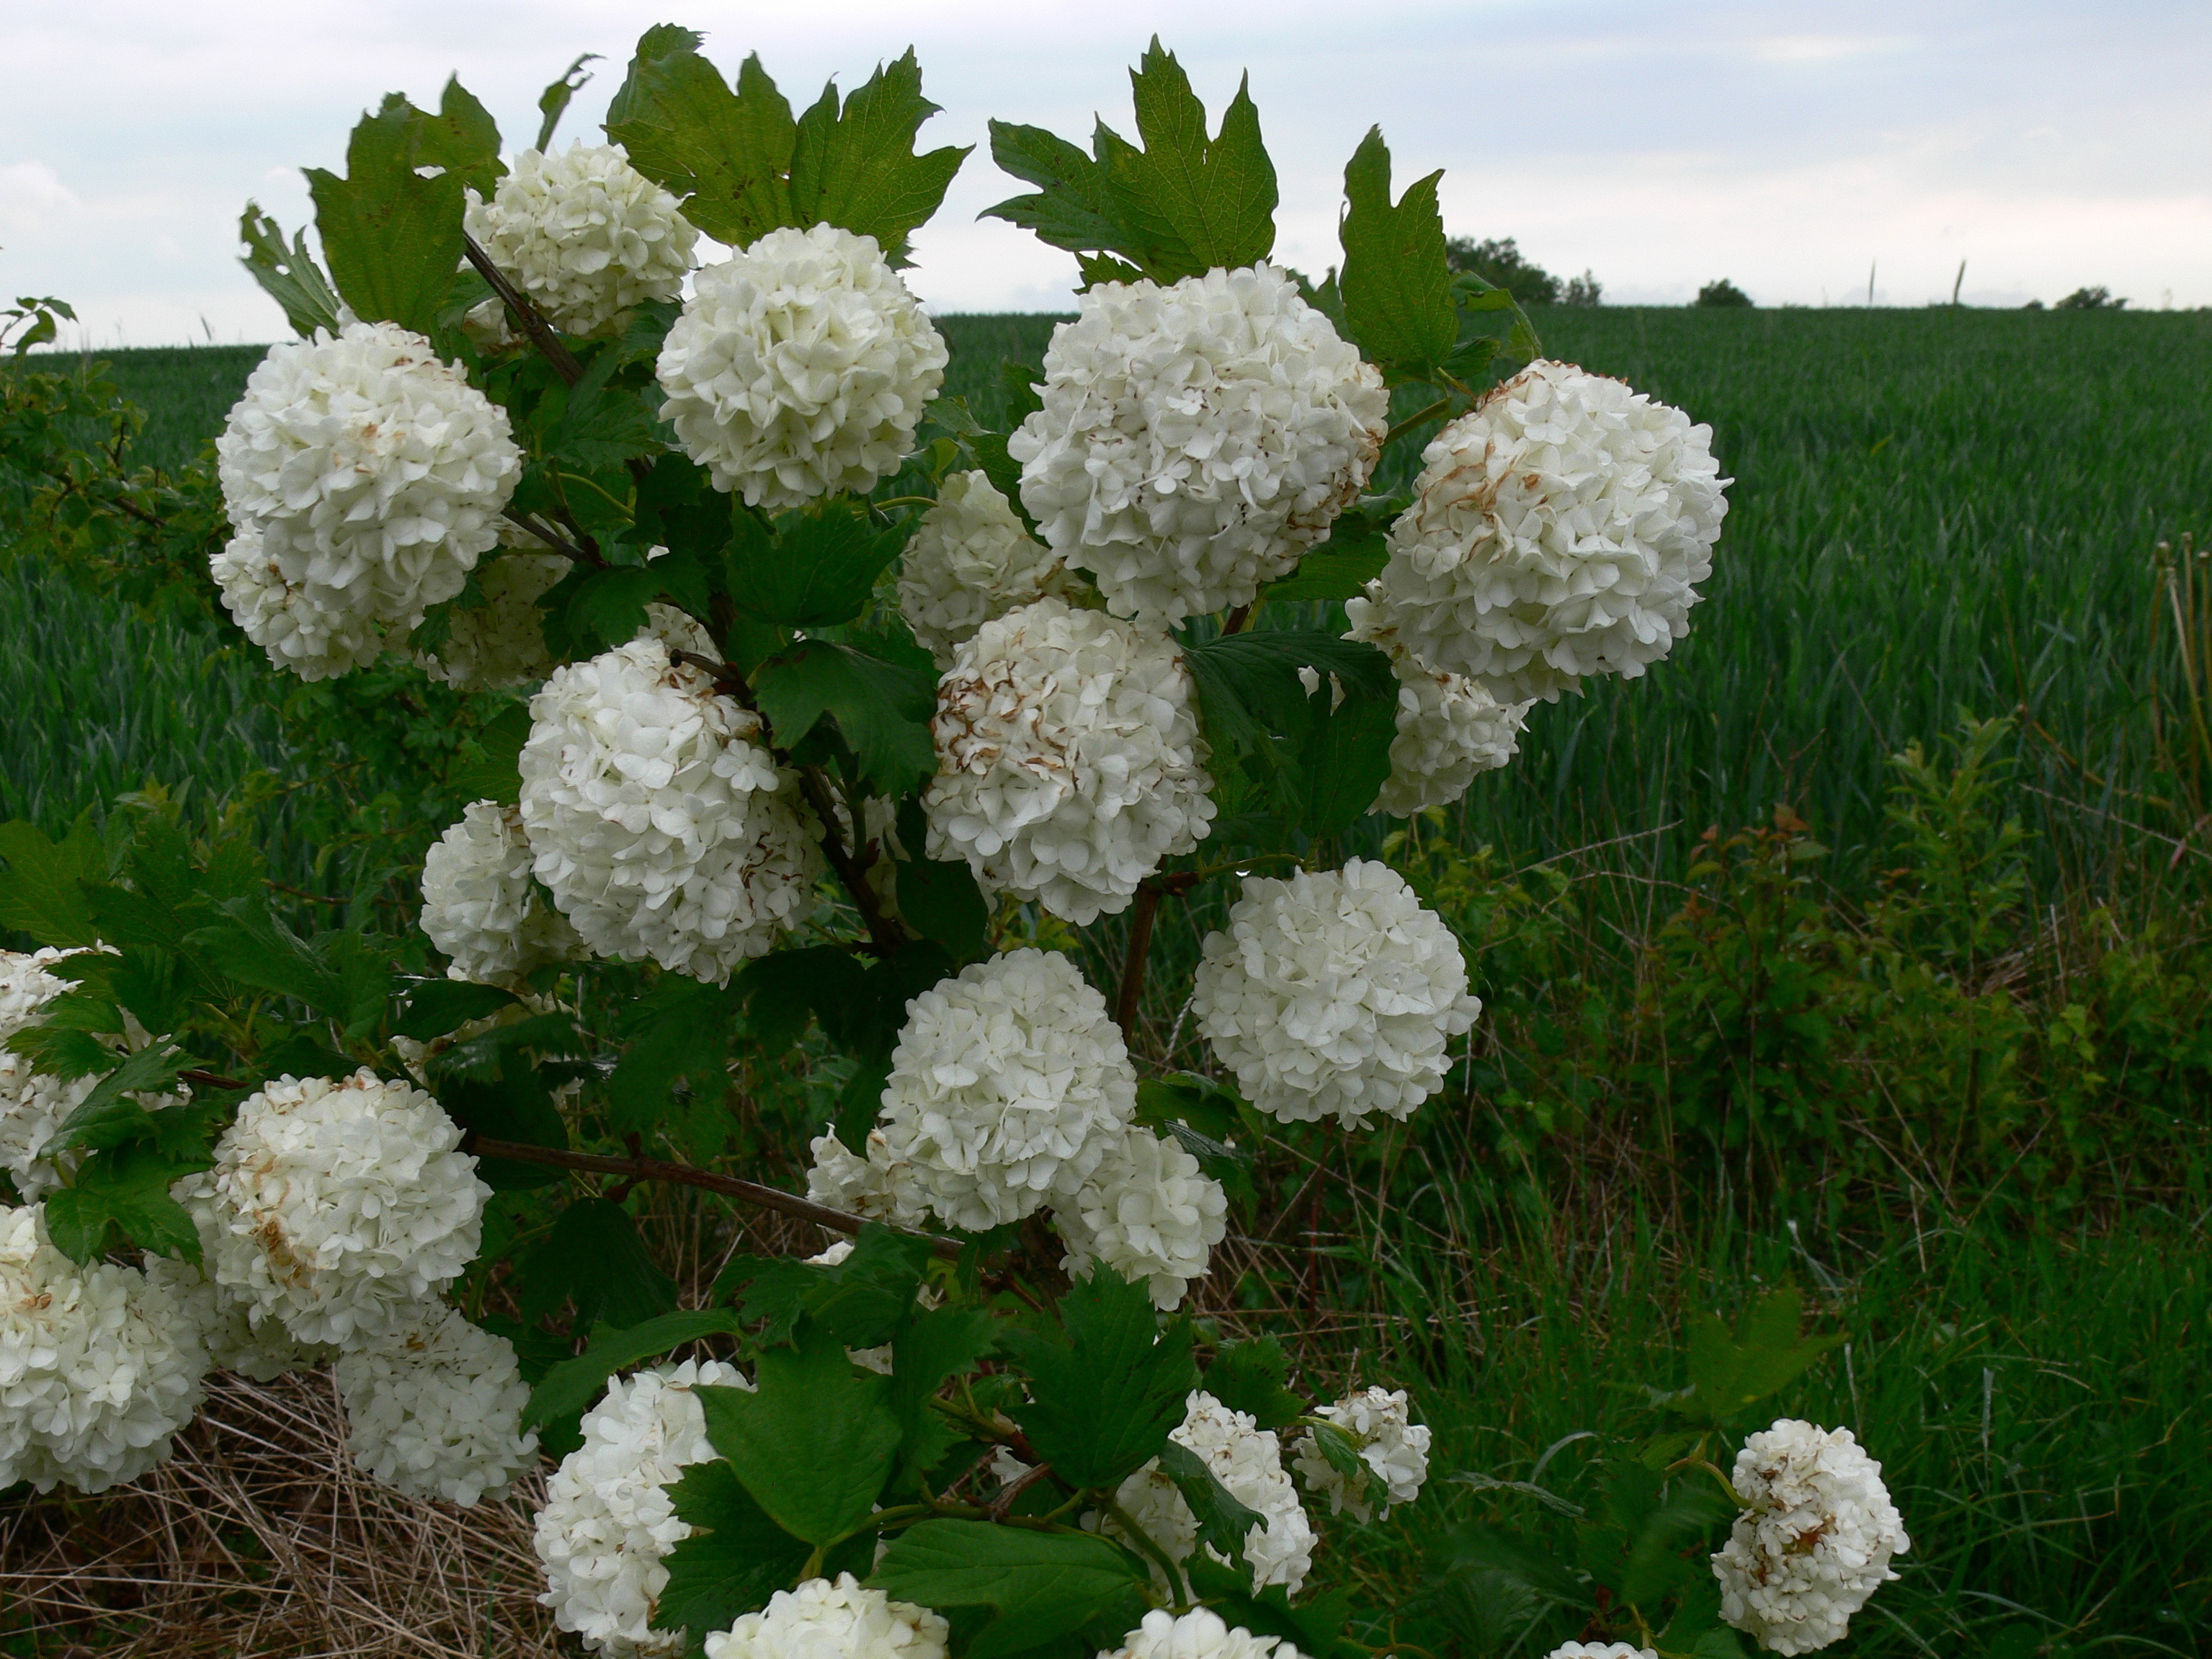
609, 1522
799, 367
1246, 1458
1395, 1448
99, 1367
1334, 993
1201, 1633
225, 1326
1196, 438
1069, 762
877, 1187
1557, 531
1148, 1212
659, 823
1600, 1651
584, 233
1008, 1084
336, 1207
301, 625
374, 474
478, 905
435, 1408
1450, 729
836, 1618
970, 561
1816, 1541
500, 644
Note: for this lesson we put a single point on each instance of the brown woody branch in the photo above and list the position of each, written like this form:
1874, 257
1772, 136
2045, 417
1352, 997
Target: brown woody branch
534, 326
1149, 895
683, 1175
580, 555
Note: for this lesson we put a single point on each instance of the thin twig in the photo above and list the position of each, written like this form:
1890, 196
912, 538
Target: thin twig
539, 331
581, 556
884, 933
683, 1175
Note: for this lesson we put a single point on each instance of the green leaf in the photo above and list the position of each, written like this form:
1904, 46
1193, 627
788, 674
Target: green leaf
882, 711
786, 988
340, 973
108, 1116
1396, 283
1223, 1521
1039, 1585
1322, 762
816, 569
1186, 1098
1475, 1550
127, 1188
770, 1289
1251, 1376
288, 274
813, 1442
1331, 572
941, 901
491, 772
42, 889
942, 1343
602, 424
1729, 1372
858, 169
1109, 1390
864, 1299
392, 235
437, 1006
595, 1258
574, 1384
516, 1105
553, 102
736, 1559
679, 1028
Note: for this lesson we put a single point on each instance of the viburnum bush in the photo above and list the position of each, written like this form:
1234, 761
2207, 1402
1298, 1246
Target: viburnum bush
826, 700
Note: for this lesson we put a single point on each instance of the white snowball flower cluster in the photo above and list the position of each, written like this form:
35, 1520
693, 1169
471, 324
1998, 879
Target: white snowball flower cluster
364, 479
98, 1366
659, 823
33, 1105
833, 1619
878, 1187
434, 1409
584, 233
1558, 531
1008, 1085
1395, 1448
337, 1206
1450, 729
1333, 991
1070, 765
226, 1328
970, 561
478, 904
609, 1522
1600, 1651
1196, 438
1247, 1460
1201, 1633
1148, 1212
1816, 1541
500, 644
800, 367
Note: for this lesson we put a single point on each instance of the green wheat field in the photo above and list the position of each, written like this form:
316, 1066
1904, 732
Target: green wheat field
1937, 514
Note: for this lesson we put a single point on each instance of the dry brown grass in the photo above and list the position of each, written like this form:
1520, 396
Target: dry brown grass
260, 1538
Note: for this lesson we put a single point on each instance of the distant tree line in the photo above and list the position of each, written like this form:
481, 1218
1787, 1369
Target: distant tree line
1502, 265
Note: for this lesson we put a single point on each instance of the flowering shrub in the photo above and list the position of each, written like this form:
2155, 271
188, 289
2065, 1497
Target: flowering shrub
1159, 636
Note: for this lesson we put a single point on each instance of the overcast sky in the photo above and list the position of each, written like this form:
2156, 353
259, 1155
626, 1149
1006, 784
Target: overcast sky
1788, 146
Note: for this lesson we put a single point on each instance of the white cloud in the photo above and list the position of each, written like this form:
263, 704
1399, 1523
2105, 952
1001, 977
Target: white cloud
1827, 48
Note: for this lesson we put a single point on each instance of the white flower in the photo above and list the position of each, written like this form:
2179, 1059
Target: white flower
1149, 1212
435, 1408
365, 478
1008, 1084
609, 1522
878, 1187
970, 561
1600, 1651
302, 626
224, 1322
1334, 993
799, 367
833, 1619
1450, 729
584, 233
1201, 1633
336, 1207
478, 904
659, 823
34, 1105
1069, 762
1816, 1541
1392, 1446
1246, 1458
1196, 438
501, 643
99, 1367
1558, 531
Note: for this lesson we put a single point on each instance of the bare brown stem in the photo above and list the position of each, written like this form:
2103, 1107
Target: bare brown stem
580, 555
1149, 895
538, 332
